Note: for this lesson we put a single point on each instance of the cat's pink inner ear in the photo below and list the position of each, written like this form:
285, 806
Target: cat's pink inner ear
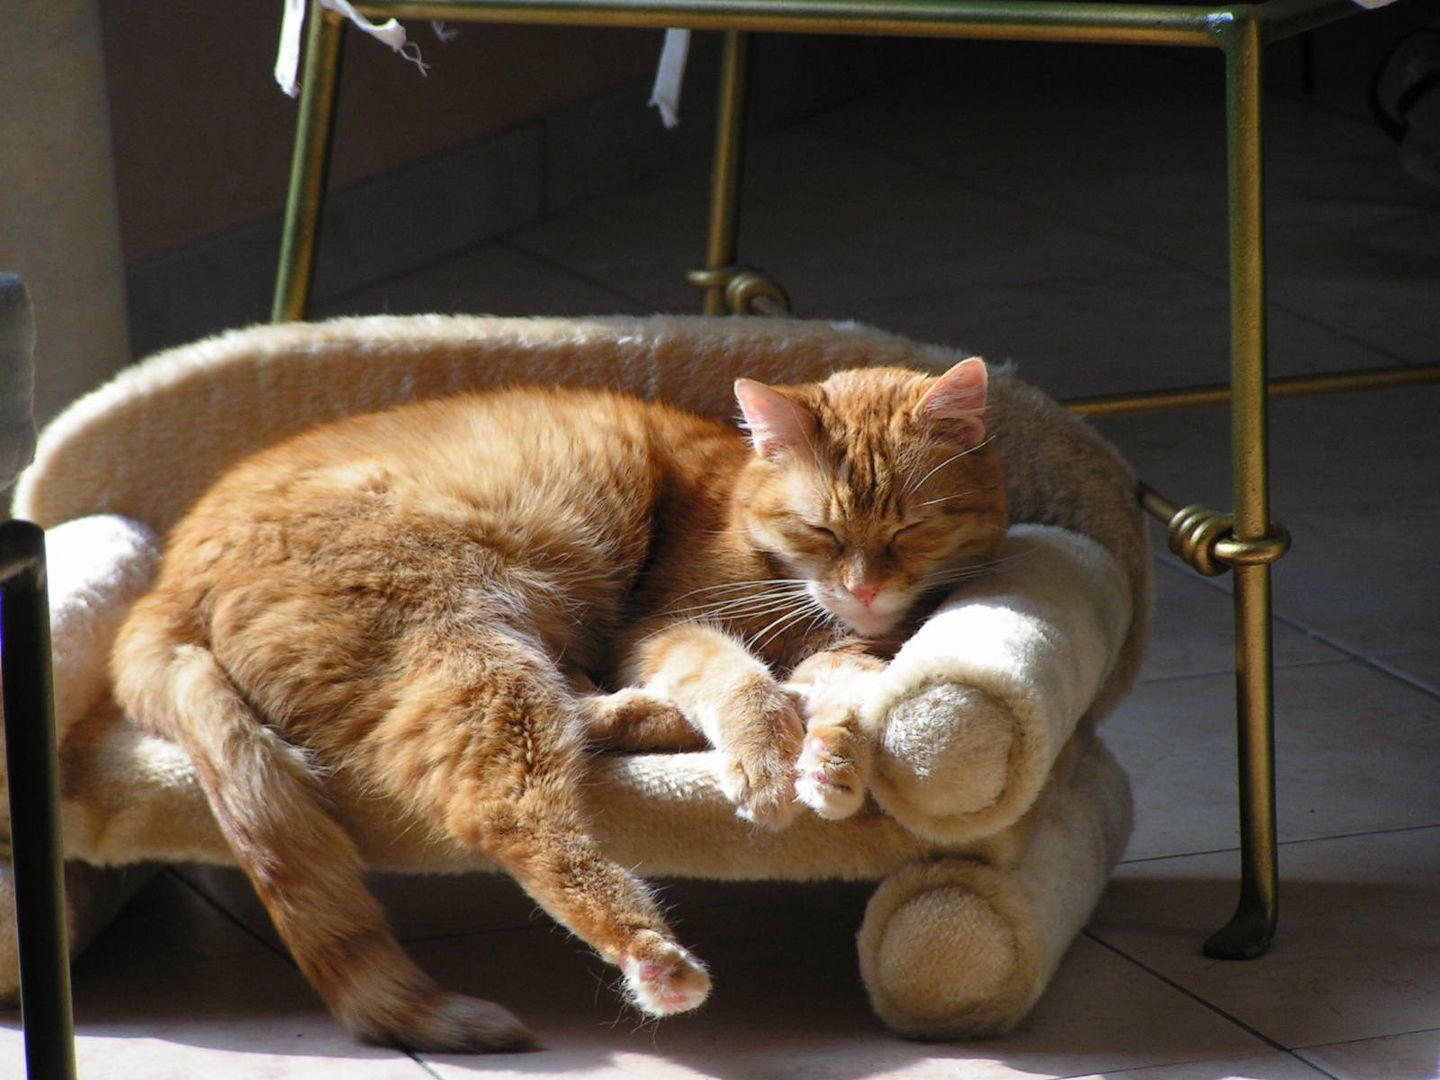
774, 421
955, 404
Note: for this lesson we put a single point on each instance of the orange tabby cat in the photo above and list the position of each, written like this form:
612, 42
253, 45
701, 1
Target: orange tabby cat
426, 604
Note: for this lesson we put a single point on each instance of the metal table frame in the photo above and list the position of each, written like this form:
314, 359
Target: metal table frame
1246, 541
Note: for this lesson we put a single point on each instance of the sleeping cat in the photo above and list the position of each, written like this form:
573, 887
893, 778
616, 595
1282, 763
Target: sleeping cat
447, 605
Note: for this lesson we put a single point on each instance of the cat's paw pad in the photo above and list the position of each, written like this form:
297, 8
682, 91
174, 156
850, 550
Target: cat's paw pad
663, 978
829, 779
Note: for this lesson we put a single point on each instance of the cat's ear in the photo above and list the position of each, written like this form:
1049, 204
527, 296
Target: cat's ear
954, 406
774, 421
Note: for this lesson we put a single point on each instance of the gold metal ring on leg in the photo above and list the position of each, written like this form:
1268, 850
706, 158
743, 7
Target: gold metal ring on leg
1251, 928
750, 292
310, 164
743, 291
1205, 539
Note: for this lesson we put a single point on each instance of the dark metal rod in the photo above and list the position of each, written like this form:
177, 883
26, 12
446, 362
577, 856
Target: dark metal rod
36, 846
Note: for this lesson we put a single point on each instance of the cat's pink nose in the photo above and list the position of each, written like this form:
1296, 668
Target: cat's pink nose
865, 593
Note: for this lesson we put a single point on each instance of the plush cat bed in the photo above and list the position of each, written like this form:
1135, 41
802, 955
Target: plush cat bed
996, 814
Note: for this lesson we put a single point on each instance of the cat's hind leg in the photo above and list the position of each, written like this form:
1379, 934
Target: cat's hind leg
303, 864
489, 744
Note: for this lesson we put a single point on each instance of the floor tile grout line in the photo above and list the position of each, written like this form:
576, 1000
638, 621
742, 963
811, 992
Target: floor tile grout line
1191, 994
1370, 1038
1174, 262
1356, 656
1293, 665
271, 948
511, 242
1283, 843
1349, 653
1375, 665
1311, 1065
229, 916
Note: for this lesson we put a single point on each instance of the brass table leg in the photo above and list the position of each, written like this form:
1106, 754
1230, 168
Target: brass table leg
1251, 928
731, 288
36, 847
310, 164
722, 239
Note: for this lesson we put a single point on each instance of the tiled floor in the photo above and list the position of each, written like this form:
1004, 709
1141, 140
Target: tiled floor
1060, 208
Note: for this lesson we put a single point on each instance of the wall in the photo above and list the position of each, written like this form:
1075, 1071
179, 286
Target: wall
202, 132
57, 204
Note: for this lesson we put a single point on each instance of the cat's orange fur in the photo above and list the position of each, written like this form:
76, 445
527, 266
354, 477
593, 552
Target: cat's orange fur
447, 602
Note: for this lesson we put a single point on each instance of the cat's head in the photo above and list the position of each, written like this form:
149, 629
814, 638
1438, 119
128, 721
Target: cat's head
875, 486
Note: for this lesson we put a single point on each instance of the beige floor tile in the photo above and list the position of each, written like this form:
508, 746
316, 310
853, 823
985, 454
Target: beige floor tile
168, 914
1414, 1056
222, 1051
174, 990
1325, 452
942, 263
1272, 1066
418, 906
1367, 577
639, 241
489, 280
1355, 955
1354, 748
1416, 663
788, 1003
1133, 148
1193, 632
230, 891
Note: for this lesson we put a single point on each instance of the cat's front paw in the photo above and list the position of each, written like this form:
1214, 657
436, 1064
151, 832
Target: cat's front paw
639, 721
762, 740
831, 772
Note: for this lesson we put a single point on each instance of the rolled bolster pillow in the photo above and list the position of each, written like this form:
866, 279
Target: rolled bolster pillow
979, 701
97, 567
963, 947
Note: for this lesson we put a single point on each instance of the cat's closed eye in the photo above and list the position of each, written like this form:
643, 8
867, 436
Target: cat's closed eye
822, 532
911, 529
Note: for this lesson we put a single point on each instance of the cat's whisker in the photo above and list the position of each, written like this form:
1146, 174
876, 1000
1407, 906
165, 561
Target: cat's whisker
737, 609
723, 616
754, 604
911, 488
736, 586
758, 642
947, 498
782, 589
754, 642
722, 612
817, 620
957, 574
